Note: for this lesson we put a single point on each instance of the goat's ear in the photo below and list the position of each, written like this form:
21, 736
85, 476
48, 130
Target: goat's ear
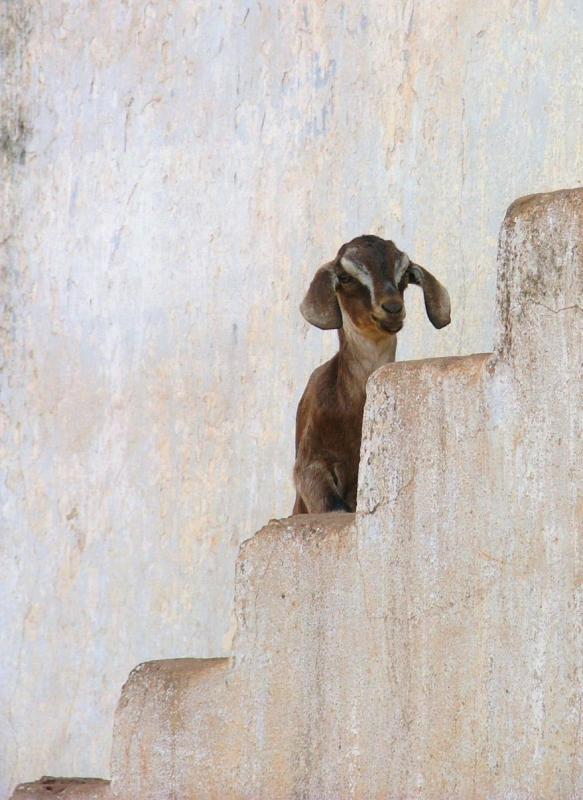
320, 306
436, 296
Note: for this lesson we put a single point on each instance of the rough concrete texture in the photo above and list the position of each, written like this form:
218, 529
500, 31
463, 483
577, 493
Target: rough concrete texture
176, 171
433, 646
224, 730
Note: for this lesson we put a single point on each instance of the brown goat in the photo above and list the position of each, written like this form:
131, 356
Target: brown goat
360, 293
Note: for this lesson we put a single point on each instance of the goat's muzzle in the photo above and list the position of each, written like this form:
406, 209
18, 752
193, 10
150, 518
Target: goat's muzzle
390, 323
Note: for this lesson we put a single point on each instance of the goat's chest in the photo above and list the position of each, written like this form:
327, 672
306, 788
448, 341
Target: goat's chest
341, 431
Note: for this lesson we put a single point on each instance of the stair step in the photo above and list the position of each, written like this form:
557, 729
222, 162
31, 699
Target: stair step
64, 789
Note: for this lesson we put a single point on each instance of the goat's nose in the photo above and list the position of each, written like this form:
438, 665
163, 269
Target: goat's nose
393, 308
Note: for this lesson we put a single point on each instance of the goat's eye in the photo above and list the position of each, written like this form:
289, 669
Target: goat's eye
344, 277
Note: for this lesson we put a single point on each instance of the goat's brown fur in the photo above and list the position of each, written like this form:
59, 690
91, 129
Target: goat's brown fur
361, 294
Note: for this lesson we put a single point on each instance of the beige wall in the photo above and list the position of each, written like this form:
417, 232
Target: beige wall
429, 646
175, 172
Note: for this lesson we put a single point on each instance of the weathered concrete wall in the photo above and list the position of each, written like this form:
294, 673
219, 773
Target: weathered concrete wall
431, 647
177, 172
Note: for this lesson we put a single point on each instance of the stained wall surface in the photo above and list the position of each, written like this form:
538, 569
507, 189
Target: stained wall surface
173, 173
429, 646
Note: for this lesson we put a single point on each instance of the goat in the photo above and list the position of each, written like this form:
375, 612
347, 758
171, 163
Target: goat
360, 293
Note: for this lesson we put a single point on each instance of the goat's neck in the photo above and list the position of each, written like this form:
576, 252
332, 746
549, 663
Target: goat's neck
360, 356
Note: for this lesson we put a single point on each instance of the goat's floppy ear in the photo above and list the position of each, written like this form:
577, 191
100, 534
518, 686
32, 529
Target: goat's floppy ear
436, 296
320, 306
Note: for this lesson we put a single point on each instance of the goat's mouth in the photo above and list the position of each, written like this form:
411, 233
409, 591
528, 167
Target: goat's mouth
389, 325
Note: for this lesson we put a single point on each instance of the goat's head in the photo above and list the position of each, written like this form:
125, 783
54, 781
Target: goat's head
365, 283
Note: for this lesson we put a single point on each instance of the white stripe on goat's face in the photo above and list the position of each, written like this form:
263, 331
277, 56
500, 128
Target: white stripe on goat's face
401, 267
360, 272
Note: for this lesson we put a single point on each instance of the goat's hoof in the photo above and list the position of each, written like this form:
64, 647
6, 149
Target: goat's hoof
338, 504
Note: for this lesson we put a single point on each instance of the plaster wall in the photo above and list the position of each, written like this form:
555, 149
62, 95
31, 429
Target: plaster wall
429, 646
173, 174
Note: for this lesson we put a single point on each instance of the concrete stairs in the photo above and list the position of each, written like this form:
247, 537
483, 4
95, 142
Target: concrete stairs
432, 645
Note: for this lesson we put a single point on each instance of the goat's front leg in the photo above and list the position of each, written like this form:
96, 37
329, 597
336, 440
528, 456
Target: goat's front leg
317, 488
